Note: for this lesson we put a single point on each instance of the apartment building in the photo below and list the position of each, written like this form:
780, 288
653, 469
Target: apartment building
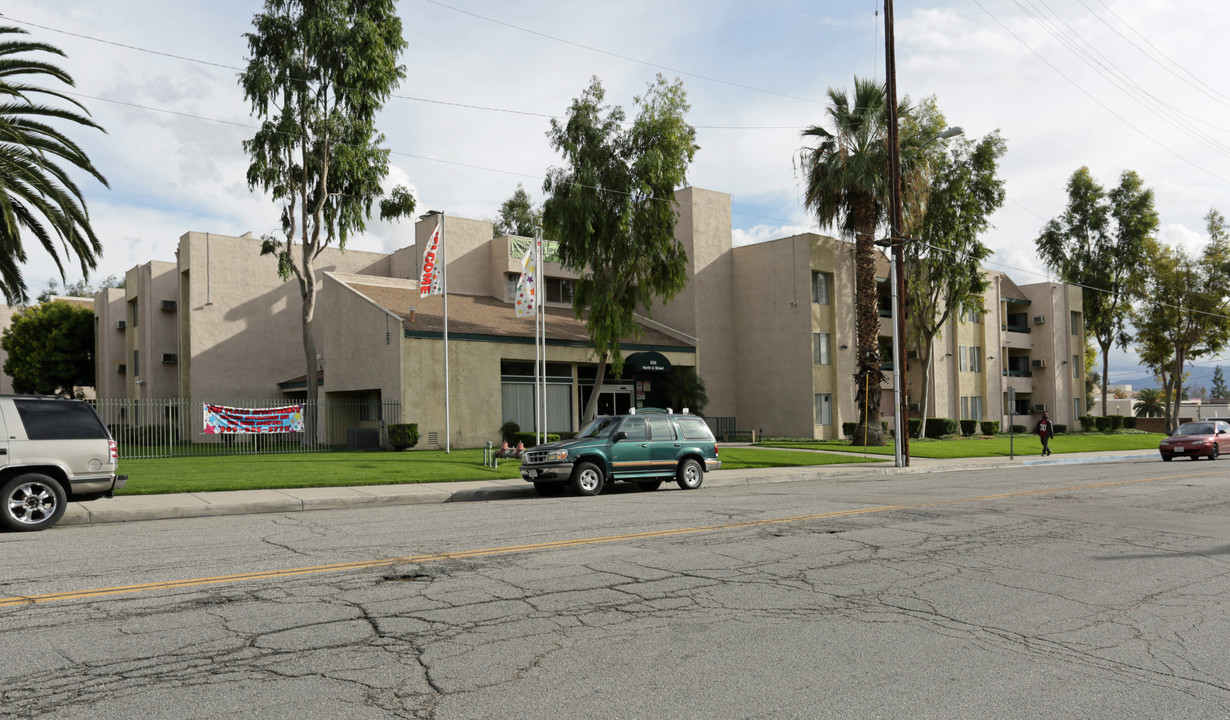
768, 327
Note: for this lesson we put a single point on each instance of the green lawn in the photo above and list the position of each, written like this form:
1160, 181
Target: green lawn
995, 446
262, 472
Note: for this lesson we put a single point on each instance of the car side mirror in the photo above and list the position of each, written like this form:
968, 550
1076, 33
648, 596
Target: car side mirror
621, 435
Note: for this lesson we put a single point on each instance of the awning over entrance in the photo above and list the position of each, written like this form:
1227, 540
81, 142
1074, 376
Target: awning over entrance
648, 361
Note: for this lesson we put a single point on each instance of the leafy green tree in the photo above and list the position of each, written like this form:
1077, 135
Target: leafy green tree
1219, 389
1149, 403
612, 208
81, 288
846, 185
1099, 244
319, 72
518, 216
38, 197
1183, 315
50, 349
944, 272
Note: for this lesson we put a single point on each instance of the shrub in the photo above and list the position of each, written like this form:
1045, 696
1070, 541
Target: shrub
403, 435
1019, 429
1102, 422
508, 431
1116, 422
530, 441
939, 427
989, 427
1060, 429
1088, 423
1129, 422
849, 428
968, 427
914, 425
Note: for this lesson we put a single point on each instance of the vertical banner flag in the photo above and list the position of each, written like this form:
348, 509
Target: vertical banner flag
430, 283
527, 293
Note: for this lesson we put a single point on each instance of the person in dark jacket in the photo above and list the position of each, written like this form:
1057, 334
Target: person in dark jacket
1044, 430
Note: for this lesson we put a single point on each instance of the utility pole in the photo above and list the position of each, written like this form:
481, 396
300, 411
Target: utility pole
901, 436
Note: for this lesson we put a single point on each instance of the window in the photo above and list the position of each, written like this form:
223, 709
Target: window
136, 363
820, 349
660, 428
971, 407
55, 420
975, 358
1076, 323
963, 351
820, 291
558, 290
1076, 409
635, 428
693, 428
1076, 367
973, 316
824, 409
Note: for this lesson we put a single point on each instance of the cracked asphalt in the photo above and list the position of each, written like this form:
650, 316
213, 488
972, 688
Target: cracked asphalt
1092, 591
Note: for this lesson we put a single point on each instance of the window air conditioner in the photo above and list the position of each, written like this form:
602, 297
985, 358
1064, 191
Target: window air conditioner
914, 407
1039, 408
912, 354
168, 305
170, 358
1039, 319
121, 368
120, 325
1039, 363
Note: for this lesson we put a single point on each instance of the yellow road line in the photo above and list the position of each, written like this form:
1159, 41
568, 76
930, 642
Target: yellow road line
217, 580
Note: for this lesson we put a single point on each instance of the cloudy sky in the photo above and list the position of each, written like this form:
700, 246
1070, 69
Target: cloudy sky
1111, 84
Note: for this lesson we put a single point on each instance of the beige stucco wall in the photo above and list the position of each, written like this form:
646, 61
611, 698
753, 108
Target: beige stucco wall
109, 343
363, 340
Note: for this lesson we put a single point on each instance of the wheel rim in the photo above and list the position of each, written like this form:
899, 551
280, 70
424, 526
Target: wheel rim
32, 503
691, 474
1214, 453
589, 480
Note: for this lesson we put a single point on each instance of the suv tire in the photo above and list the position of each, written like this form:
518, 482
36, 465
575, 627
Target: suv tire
31, 502
587, 479
690, 475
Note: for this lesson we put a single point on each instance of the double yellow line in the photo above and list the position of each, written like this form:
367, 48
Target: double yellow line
485, 552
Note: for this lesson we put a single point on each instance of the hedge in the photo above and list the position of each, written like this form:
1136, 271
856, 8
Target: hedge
1088, 423
1129, 422
403, 435
530, 440
939, 427
989, 427
968, 427
1116, 422
1019, 429
1060, 429
848, 429
1103, 423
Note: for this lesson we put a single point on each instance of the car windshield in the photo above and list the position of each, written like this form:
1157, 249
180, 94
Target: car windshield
1200, 428
600, 427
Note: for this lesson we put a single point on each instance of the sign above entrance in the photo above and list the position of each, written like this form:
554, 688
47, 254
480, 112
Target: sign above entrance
647, 362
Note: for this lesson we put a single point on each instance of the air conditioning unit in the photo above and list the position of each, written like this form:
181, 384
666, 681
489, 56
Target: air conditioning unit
170, 358
914, 407
912, 354
121, 368
168, 305
1039, 408
121, 325
1039, 319
1039, 363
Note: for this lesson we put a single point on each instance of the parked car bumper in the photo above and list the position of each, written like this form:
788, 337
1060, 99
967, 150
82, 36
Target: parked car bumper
712, 464
547, 472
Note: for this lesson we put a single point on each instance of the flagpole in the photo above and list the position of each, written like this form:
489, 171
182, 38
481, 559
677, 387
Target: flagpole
444, 289
540, 333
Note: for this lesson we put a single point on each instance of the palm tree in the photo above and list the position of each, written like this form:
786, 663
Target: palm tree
37, 196
847, 185
684, 388
1149, 403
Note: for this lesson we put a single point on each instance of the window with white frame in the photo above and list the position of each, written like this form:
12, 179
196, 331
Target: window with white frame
824, 409
821, 292
973, 316
971, 407
963, 353
1076, 323
1076, 367
821, 349
975, 358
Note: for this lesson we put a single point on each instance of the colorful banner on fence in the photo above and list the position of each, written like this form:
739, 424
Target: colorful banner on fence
220, 420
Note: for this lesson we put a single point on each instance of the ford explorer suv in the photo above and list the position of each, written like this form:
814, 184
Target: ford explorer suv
52, 450
645, 448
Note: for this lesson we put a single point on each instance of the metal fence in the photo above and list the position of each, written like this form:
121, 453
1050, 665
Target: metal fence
175, 427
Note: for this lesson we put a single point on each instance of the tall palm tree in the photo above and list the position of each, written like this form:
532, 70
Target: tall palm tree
37, 196
847, 186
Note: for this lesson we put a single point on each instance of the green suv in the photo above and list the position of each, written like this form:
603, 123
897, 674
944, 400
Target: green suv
645, 448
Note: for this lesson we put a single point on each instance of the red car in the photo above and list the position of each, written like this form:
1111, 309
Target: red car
1204, 438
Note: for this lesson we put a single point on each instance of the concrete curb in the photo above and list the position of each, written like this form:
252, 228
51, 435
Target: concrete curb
135, 508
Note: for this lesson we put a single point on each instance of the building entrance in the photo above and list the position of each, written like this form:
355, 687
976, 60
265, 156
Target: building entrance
615, 398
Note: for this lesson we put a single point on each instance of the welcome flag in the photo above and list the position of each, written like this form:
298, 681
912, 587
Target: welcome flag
429, 281
527, 292
221, 420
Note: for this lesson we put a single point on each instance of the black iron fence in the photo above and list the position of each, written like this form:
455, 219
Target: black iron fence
176, 427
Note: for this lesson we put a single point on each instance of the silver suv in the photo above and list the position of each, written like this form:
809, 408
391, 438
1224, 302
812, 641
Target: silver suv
52, 450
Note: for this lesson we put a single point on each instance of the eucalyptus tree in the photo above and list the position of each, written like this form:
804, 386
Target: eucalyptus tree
38, 197
612, 209
1099, 243
319, 72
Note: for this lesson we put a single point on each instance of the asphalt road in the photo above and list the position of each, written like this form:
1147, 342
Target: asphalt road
1091, 591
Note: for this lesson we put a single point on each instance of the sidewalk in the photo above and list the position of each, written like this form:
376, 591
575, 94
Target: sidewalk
128, 508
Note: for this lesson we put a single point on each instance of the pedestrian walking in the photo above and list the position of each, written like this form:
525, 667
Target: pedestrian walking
1044, 430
